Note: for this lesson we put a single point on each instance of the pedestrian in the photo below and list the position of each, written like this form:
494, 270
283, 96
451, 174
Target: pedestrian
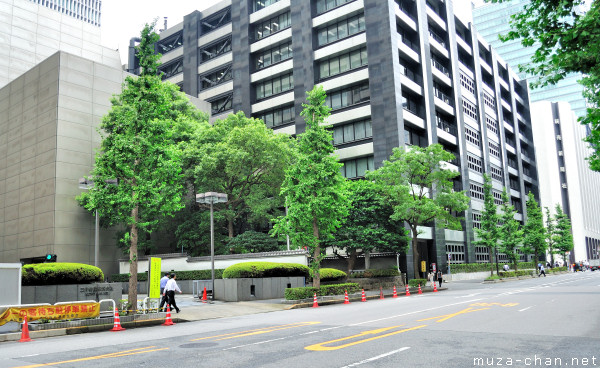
505, 267
170, 289
431, 278
439, 277
163, 283
542, 271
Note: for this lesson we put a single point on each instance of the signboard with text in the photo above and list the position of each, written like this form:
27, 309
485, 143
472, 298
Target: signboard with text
154, 278
53, 312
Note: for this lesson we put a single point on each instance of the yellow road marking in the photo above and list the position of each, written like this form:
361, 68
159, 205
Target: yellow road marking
320, 347
492, 304
104, 356
446, 317
257, 331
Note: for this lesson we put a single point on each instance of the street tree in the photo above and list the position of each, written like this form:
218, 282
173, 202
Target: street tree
564, 235
420, 189
139, 150
535, 233
550, 235
314, 189
368, 226
566, 38
489, 233
511, 234
243, 158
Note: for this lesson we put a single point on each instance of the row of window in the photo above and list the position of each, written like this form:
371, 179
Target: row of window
414, 138
352, 132
357, 168
342, 63
343, 29
272, 25
215, 21
273, 55
209, 52
476, 191
469, 109
171, 69
482, 255
476, 220
474, 163
497, 173
489, 100
497, 197
326, 5
410, 103
274, 86
170, 43
467, 83
348, 96
472, 135
221, 105
215, 78
277, 117
261, 4
492, 124
494, 149
455, 253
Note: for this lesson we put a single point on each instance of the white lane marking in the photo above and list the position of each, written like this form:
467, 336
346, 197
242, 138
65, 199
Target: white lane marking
467, 296
255, 343
524, 309
376, 357
27, 356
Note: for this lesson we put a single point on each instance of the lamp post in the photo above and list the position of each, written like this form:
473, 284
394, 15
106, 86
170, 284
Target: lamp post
212, 198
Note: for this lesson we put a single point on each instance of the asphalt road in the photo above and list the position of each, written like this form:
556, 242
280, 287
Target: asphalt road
545, 322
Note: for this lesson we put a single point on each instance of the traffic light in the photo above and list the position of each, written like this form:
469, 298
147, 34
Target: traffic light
50, 258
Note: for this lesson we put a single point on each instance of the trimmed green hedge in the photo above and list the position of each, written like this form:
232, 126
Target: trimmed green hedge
504, 274
331, 274
60, 273
309, 292
369, 273
556, 269
265, 269
481, 267
181, 275
417, 282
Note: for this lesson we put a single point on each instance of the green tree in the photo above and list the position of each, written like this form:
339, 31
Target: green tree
421, 190
550, 235
314, 189
564, 236
535, 233
139, 150
243, 158
511, 234
489, 234
368, 226
253, 242
567, 40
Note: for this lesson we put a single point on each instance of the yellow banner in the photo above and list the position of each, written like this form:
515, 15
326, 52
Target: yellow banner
64, 311
154, 281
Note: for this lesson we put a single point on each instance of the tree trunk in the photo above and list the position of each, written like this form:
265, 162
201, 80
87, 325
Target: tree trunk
352, 260
230, 228
551, 257
497, 268
535, 260
491, 261
316, 256
133, 264
516, 262
415, 242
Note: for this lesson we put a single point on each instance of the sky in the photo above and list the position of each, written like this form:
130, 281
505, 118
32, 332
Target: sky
124, 19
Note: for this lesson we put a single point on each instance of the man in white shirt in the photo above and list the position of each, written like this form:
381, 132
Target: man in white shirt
163, 283
170, 289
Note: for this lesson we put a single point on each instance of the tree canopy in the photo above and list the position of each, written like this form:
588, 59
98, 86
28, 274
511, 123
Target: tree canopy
535, 232
489, 234
564, 235
511, 234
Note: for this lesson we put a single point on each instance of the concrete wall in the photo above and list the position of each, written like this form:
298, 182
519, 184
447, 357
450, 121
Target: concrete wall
10, 287
69, 293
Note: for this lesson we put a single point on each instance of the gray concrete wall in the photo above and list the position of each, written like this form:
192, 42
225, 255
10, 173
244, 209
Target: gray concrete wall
68, 293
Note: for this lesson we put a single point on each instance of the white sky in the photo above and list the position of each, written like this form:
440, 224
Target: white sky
124, 19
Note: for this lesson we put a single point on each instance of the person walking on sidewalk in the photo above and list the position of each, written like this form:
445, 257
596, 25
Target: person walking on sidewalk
439, 277
542, 271
170, 289
163, 283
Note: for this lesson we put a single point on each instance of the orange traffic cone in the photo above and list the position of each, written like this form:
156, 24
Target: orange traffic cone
346, 301
315, 304
168, 320
381, 292
364, 297
117, 325
395, 295
407, 291
25, 331
420, 291
204, 295
434, 288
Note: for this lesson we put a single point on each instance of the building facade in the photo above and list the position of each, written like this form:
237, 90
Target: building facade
564, 174
32, 30
397, 72
492, 20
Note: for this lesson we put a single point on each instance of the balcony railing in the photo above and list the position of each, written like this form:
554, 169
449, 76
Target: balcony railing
439, 39
446, 126
436, 64
442, 96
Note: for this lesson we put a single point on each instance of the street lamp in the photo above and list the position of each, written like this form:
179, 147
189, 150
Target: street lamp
212, 198
88, 184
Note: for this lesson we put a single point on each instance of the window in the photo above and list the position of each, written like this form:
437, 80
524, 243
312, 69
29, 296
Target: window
342, 63
469, 109
468, 83
352, 132
261, 4
221, 105
215, 21
171, 69
476, 191
439, 66
326, 5
216, 49
413, 138
497, 173
274, 86
277, 117
409, 103
357, 168
472, 135
492, 124
494, 149
456, 253
482, 255
476, 220
337, 31
497, 197
272, 25
348, 96
215, 78
475, 163
170, 43
273, 55
489, 100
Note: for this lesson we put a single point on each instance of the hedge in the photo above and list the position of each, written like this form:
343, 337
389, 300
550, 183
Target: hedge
309, 292
265, 269
417, 282
369, 273
481, 267
556, 269
331, 274
181, 275
60, 273
518, 273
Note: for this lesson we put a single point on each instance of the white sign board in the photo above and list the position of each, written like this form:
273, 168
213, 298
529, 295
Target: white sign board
10, 287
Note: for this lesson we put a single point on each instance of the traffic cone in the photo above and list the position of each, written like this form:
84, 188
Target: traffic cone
395, 295
407, 291
364, 297
315, 304
346, 301
434, 288
25, 331
168, 320
381, 292
420, 291
117, 325
204, 295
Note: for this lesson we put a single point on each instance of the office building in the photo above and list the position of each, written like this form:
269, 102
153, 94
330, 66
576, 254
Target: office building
403, 72
564, 174
492, 20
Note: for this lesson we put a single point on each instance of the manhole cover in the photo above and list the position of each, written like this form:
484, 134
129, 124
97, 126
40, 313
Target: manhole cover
198, 345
